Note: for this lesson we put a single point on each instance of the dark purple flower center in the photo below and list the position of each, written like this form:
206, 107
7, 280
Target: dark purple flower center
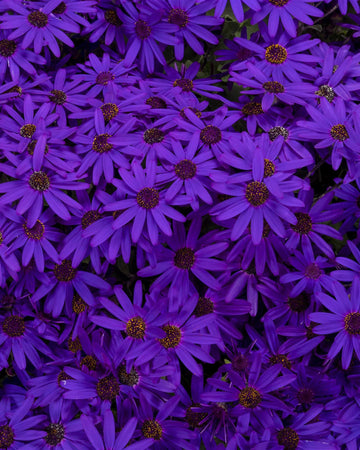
184, 83
15, 89
256, 193
276, 54
153, 136
38, 19
100, 143
7, 302
299, 303
7, 436
112, 18
74, 345
327, 92
184, 258
243, 54
288, 438
7, 48
194, 110
63, 376
210, 135
304, 223
240, 363
280, 359
36, 232
305, 396
64, 271
352, 323
57, 97
78, 304
55, 433
27, 130
249, 397
179, 17
156, 102
89, 361
194, 418
39, 181
172, 338
89, 217
252, 109
14, 326
274, 87
108, 388
60, 9
269, 168
204, 306
148, 198
309, 331
312, 271
339, 132
109, 110
136, 327
278, 131
104, 78
31, 147
151, 429
128, 378
142, 29
278, 2
185, 169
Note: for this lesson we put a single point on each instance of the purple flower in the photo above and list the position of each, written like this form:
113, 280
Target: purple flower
9, 264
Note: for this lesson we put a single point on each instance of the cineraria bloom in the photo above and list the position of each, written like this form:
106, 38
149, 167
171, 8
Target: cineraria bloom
184, 82
9, 264
16, 59
309, 272
108, 440
285, 11
187, 171
40, 27
283, 58
144, 203
32, 188
237, 7
34, 242
143, 31
19, 337
236, 53
64, 282
187, 255
343, 318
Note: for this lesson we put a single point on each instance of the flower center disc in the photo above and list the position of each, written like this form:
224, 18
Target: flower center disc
280, 359
142, 29
156, 102
153, 136
327, 92
74, 345
352, 323
185, 84
63, 376
60, 9
274, 87
278, 131
136, 327
276, 54
13, 326
7, 48
185, 169
55, 434
148, 198
31, 147
210, 135
151, 429
172, 338
27, 130
38, 19
288, 438
269, 168
179, 17
57, 97
100, 143
184, 258
194, 110
339, 132
39, 181
109, 110
78, 304
279, 2
256, 193
249, 397
204, 306
305, 396
112, 18
7, 436
313, 271
36, 232
304, 223
299, 303
64, 271
252, 109
89, 217
108, 388
104, 78
89, 361
128, 378
194, 418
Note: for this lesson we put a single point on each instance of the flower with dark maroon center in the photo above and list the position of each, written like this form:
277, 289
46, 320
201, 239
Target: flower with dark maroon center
288, 438
278, 131
27, 130
185, 84
109, 110
112, 18
156, 102
128, 378
269, 168
38, 19
108, 388
252, 109
89, 217
240, 363
147, 198
55, 433
185, 169
104, 78
151, 429
31, 147
280, 359
64, 271
274, 87
7, 48
276, 54
194, 110
172, 338
60, 9
210, 135
352, 323
57, 97
153, 136
7, 436
78, 304
63, 376
90, 362
142, 29
74, 345
304, 223
36, 232
39, 181
256, 193
136, 327
13, 326
100, 143
299, 303
305, 396
249, 397
312, 271
184, 258
15, 89
194, 418
279, 2
339, 132
178, 16
204, 306
327, 92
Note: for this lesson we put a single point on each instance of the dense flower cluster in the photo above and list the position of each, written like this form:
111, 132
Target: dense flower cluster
179, 235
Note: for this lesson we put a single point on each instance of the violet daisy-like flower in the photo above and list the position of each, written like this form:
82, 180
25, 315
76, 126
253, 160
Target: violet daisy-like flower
40, 27
74, 11
144, 203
